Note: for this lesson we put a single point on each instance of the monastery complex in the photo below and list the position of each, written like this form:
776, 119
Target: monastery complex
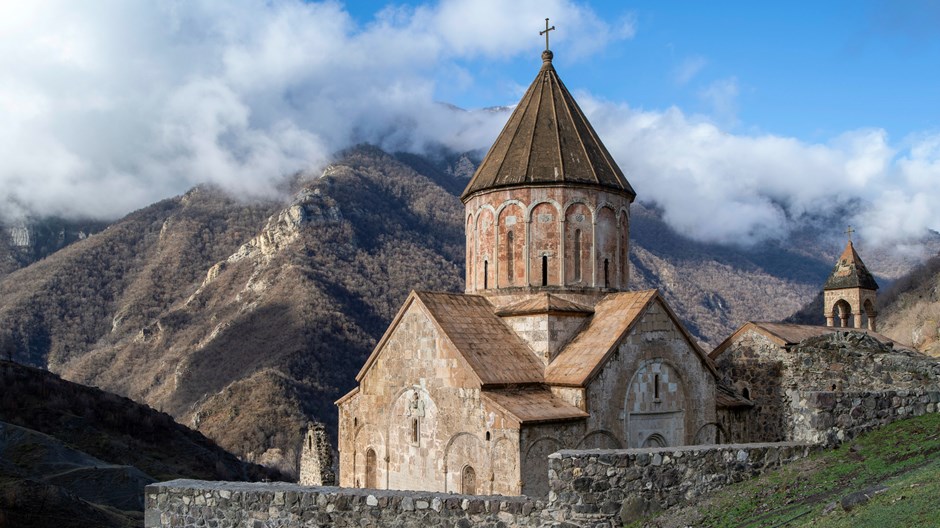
548, 349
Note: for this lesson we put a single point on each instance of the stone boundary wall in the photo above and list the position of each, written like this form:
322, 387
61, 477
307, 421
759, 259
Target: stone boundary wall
830, 418
597, 488
192, 503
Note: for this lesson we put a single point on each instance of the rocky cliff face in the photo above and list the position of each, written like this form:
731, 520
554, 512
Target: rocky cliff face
23, 242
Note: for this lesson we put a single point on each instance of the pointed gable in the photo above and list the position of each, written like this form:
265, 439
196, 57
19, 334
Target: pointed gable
613, 318
548, 140
495, 354
850, 272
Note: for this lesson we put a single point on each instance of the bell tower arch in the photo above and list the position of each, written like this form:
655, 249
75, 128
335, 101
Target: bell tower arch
850, 292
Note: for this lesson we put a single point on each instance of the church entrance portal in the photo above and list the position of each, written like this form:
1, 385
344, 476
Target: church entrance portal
655, 407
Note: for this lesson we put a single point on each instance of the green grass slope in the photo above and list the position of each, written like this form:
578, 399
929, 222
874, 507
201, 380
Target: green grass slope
887, 477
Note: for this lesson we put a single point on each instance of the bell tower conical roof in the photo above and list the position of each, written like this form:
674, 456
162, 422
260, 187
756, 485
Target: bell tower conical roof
548, 141
850, 272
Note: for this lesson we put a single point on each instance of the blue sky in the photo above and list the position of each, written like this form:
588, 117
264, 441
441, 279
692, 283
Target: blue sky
742, 121
806, 69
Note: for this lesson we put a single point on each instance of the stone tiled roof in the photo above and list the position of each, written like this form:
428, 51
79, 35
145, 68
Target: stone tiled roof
787, 335
548, 140
542, 304
533, 405
613, 318
495, 354
850, 272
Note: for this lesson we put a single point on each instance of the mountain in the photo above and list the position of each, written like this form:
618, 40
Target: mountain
72, 455
29, 240
909, 310
244, 320
247, 320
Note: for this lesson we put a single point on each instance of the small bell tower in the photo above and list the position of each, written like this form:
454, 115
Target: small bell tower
849, 293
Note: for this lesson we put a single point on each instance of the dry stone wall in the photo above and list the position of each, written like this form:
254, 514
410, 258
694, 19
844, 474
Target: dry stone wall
192, 503
598, 486
594, 488
833, 417
826, 388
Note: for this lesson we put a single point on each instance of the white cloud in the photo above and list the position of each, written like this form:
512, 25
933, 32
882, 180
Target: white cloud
732, 188
722, 96
689, 68
112, 105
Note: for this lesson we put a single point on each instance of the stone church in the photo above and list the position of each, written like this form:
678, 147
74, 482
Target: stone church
547, 349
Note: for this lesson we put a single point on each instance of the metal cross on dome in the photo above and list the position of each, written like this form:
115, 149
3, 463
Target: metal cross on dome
547, 29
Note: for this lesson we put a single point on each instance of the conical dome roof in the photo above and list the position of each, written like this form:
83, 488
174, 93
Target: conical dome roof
850, 272
548, 141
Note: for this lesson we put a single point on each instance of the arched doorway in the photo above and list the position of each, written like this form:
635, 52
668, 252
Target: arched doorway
371, 480
468, 481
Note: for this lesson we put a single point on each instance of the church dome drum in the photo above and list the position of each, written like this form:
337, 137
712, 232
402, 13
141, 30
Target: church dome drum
548, 208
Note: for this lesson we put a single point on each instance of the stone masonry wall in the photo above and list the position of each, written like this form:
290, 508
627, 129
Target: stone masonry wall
832, 417
192, 503
596, 488
591, 488
316, 458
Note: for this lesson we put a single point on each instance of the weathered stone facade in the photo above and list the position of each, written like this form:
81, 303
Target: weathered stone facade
316, 458
805, 391
421, 419
596, 488
548, 236
831, 418
850, 308
417, 421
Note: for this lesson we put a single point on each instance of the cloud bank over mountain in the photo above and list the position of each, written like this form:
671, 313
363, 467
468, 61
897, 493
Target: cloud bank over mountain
110, 106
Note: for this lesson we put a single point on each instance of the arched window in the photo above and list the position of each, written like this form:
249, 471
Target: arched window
607, 273
746, 393
577, 255
487, 436
544, 270
468, 481
656, 387
510, 256
309, 442
486, 274
370, 469
415, 430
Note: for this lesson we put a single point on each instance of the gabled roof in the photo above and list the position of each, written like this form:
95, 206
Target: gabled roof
850, 272
547, 140
613, 318
544, 303
532, 405
493, 352
787, 335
